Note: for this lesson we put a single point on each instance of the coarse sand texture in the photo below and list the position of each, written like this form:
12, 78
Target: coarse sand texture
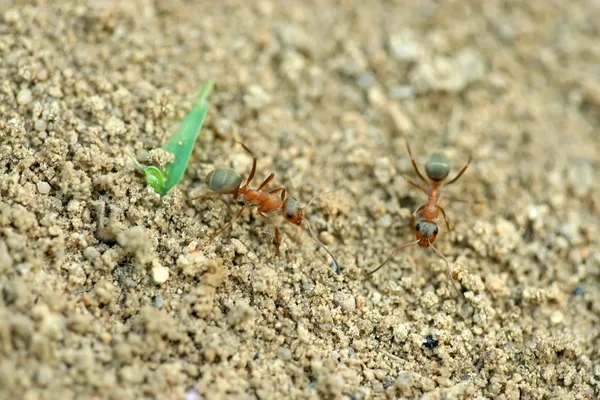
109, 290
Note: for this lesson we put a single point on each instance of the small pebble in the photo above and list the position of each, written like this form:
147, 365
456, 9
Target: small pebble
44, 375
405, 47
91, 253
578, 291
43, 187
256, 97
40, 125
385, 221
366, 80
158, 302
402, 92
42, 74
346, 301
557, 317
192, 395
160, 275
285, 353
387, 384
24, 97
405, 380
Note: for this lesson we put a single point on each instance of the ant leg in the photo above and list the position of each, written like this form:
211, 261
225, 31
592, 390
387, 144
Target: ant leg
251, 176
415, 185
205, 195
412, 217
227, 226
412, 160
439, 253
277, 190
462, 171
445, 218
270, 221
283, 194
390, 257
456, 199
266, 181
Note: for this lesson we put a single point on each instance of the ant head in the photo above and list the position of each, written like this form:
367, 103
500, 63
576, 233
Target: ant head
426, 232
223, 180
291, 212
437, 167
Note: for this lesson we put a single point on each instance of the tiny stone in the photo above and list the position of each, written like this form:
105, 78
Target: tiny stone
405, 380
376, 297
387, 384
405, 47
43, 187
385, 221
44, 375
160, 275
42, 74
256, 97
105, 337
24, 97
366, 80
91, 253
402, 92
533, 213
158, 302
223, 126
285, 353
40, 125
557, 317
346, 301
192, 395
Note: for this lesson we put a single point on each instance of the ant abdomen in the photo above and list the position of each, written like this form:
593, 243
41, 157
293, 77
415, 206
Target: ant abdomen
224, 180
437, 167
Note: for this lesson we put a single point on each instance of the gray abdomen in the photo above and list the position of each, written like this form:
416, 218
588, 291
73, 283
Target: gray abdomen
223, 180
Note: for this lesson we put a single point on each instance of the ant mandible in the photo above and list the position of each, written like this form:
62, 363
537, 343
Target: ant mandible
437, 169
228, 181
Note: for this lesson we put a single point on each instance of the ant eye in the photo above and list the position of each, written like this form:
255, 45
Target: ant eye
418, 227
435, 231
290, 214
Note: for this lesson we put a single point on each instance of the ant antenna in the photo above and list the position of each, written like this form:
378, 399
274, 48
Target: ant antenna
132, 158
392, 255
319, 195
439, 253
312, 235
311, 200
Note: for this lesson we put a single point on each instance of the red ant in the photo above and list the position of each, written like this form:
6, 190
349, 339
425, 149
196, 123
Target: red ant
437, 168
228, 181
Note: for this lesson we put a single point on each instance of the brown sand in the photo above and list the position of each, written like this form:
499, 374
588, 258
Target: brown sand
325, 93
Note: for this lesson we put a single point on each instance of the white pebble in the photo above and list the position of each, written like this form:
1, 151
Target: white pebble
160, 275
24, 97
43, 187
346, 301
285, 353
40, 125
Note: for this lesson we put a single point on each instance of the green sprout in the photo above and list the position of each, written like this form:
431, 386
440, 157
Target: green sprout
180, 145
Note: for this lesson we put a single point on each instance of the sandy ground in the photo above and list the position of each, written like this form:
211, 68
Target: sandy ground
325, 92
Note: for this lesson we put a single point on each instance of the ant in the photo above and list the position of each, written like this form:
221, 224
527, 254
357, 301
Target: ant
228, 181
437, 169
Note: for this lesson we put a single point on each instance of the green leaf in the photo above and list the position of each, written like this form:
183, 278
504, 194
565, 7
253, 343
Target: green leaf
154, 176
182, 143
